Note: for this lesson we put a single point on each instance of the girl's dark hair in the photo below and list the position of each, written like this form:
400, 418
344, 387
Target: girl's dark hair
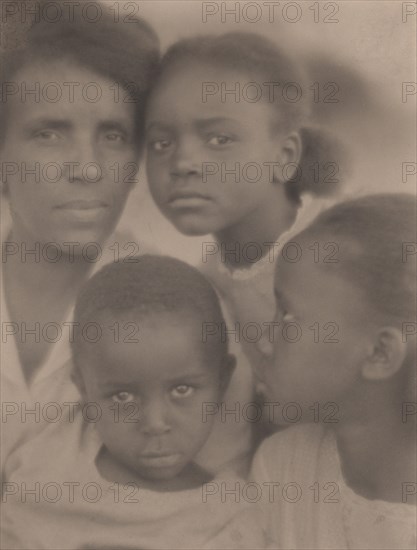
126, 53
379, 231
376, 235
321, 170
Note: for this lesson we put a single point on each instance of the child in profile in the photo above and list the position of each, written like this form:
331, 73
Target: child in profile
349, 467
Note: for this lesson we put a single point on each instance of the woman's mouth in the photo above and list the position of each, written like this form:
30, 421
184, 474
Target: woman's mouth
84, 210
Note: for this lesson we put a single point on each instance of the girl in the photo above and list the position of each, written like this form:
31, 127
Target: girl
353, 473
231, 152
69, 146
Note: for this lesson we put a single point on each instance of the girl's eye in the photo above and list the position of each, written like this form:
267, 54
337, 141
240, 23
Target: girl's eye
183, 390
219, 140
122, 397
159, 145
115, 137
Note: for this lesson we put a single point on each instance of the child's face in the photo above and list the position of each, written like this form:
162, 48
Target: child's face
151, 393
69, 157
323, 336
191, 144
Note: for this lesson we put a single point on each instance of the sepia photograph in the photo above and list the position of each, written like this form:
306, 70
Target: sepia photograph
208, 274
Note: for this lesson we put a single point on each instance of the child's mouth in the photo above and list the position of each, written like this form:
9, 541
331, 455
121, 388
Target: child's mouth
160, 460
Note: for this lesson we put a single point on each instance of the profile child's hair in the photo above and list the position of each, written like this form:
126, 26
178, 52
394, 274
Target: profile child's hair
125, 53
148, 285
258, 56
380, 258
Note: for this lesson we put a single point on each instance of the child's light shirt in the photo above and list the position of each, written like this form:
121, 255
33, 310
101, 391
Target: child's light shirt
56, 499
313, 508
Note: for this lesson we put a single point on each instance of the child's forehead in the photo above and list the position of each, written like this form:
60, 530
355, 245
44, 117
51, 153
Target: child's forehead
152, 317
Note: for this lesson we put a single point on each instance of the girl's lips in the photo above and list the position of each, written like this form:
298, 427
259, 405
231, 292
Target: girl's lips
188, 200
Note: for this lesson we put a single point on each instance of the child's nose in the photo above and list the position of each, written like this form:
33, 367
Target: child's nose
155, 419
265, 346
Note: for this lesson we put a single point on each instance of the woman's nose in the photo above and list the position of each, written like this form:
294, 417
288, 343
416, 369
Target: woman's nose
84, 166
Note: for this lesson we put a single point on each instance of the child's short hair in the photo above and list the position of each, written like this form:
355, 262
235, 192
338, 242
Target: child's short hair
126, 53
257, 55
149, 285
382, 260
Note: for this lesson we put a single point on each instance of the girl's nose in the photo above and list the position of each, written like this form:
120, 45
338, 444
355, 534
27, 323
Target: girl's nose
185, 160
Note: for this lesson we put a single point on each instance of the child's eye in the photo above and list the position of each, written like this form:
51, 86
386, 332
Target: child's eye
287, 317
122, 397
182, 390
160, 145
220, 139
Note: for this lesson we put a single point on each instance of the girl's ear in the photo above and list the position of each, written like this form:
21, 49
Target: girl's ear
288, 157
387, 356
79, 382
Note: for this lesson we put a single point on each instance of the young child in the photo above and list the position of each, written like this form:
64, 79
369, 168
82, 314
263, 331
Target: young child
348, 480
231, 151
121, 474
71, 129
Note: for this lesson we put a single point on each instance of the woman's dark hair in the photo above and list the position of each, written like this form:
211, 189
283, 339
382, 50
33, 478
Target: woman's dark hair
126, 53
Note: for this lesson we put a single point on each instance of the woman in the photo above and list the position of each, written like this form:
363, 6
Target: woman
71, 127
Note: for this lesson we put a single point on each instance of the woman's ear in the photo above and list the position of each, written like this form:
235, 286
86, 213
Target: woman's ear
387, 355
79, 382
227, 369
288, 157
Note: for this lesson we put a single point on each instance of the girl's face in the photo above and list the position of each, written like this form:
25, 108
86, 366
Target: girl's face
320, 339
70, 154
209, 157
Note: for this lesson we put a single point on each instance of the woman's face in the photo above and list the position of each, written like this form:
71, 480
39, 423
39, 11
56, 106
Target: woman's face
69, 155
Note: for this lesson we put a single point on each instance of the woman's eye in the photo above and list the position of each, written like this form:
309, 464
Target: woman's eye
160, 144
183, 390
220, 139
47, 135
122, 397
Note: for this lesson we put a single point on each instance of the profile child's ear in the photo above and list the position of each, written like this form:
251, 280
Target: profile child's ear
227, 369
288, 157
387, 355
79, 382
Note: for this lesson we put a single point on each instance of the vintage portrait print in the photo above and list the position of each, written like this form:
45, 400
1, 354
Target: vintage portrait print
208, 274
